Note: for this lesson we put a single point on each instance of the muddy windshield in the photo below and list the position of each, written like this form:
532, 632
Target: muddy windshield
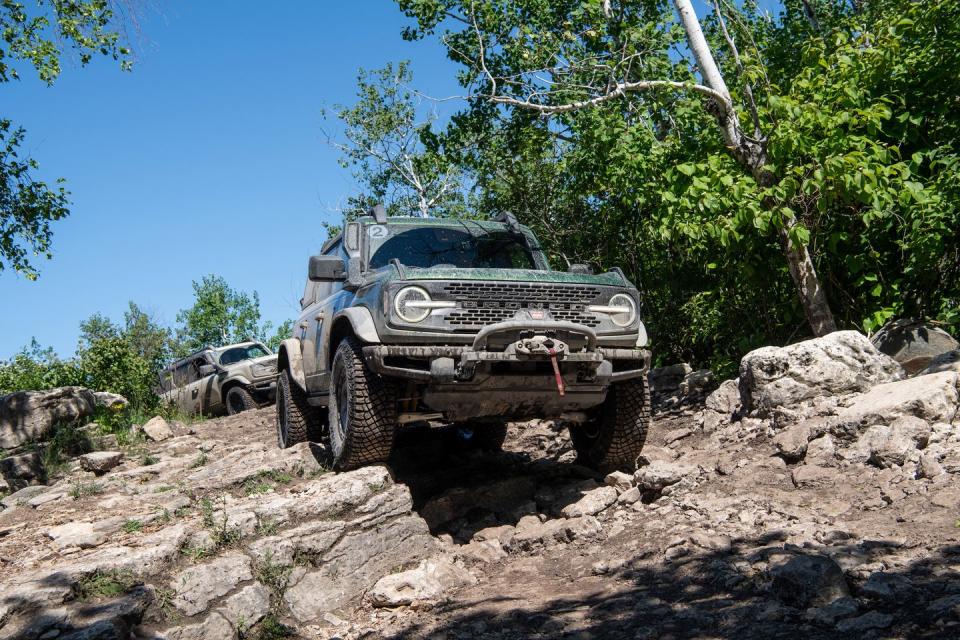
238, 354
435, 246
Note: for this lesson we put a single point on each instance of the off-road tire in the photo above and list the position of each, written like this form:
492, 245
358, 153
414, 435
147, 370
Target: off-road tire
615, 432
363, 410
297, 421
239, 399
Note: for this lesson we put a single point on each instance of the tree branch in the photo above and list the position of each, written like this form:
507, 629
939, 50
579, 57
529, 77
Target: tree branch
747, 89
617, 91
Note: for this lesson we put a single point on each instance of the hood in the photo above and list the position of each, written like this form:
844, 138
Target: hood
611, 278
269, 360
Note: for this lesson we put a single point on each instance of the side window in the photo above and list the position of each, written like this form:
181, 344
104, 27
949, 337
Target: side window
193, 372
180, 374
309, 294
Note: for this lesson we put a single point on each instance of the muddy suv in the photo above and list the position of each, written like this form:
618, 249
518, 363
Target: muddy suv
222, 380
409, 320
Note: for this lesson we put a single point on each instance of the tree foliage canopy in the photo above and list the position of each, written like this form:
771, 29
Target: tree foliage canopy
855, 107
394, 152
219, 315
38, 38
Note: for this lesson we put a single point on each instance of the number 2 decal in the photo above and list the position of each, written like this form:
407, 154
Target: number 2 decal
379, 231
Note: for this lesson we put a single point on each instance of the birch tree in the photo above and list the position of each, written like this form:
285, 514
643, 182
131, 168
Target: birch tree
392, 149
602, 52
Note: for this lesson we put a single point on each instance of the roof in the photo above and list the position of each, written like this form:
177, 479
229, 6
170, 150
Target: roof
177, 363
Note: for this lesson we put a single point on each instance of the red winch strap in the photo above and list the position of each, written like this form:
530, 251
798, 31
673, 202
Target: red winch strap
556, 371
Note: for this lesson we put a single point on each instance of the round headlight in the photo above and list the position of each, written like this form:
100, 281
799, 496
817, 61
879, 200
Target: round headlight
623, 319
408, 313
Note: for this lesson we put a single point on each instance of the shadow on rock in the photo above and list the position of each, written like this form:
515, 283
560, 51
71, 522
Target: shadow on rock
459, 491
755, 588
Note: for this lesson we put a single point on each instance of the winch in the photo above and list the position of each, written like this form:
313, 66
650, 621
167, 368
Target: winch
545, 346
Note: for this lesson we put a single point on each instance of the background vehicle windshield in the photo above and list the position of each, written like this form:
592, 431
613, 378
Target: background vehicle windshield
236, 354
466, 247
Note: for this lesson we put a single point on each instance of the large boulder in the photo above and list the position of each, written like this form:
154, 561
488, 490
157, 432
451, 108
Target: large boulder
430, 581
669, 378
913, 343
839, 363
805, 580
933, 398
721, 406
27, 416
949, 361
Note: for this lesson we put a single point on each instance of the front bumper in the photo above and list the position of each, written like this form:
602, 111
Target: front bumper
265, 388
492, 377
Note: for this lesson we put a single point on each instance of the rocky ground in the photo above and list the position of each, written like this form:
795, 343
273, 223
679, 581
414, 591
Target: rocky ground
819, 497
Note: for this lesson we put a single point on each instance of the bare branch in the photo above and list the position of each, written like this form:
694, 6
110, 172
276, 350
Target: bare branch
619, 90
747, 89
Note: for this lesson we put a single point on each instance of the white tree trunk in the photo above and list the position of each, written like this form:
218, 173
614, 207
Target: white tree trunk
752, 156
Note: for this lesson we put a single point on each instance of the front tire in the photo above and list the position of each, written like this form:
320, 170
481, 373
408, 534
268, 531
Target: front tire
297, 421
363, 410
238, 400
616, 431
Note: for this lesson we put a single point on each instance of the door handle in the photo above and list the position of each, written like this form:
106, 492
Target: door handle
195, 392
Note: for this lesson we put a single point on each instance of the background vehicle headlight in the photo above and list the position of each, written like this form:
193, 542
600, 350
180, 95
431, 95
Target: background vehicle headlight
260, 370
411, 312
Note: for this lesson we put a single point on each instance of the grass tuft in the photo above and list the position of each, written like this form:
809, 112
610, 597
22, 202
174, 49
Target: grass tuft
105, 584
82, 489
133, 526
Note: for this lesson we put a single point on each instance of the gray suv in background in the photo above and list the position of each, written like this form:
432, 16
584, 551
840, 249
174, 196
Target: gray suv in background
221, 380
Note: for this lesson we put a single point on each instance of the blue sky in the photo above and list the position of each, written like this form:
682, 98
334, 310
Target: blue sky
209, 157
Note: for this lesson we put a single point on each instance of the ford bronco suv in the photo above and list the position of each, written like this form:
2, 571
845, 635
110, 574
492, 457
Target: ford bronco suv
227, 379
422, 319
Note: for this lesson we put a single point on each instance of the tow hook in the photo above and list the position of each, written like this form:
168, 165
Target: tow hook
545, 346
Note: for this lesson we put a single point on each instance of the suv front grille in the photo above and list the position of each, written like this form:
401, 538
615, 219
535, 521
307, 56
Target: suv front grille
483, 303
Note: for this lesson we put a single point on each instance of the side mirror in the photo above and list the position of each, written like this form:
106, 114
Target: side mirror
583, 269
207, 370
325, 268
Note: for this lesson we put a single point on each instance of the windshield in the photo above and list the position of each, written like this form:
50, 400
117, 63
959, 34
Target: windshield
237, 354
435, 246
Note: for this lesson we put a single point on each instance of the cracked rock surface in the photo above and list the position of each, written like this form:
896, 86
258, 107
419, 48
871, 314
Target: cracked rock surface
829, 512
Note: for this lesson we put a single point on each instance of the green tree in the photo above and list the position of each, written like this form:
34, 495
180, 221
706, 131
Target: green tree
150, 340
836, 135
39, 38
397, 158
219, 315
284, 331
111, 363
35, 368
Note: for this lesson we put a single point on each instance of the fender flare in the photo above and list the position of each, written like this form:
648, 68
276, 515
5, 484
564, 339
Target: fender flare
290, 357
361, 320
231, 381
